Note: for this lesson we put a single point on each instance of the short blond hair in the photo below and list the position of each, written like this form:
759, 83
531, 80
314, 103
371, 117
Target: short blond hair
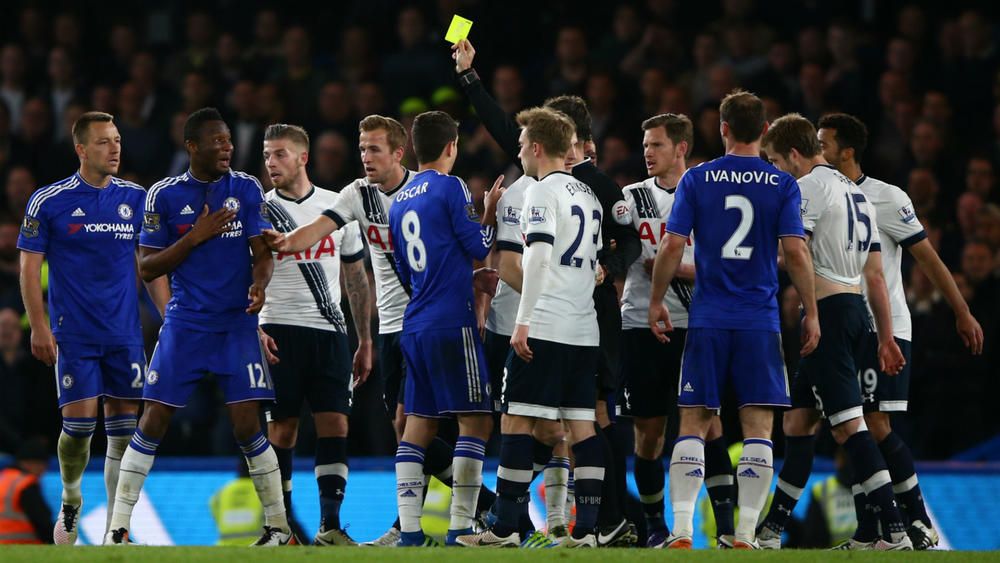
394, 130
547, 127
292, 133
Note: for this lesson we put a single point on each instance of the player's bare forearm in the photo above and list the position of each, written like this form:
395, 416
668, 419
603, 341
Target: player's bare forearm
939, 275
305, 236
159, 291
157, 262
31, 288
799, 265
263, 262
685, 272
668, 259
359, 296
878, 296
510, 269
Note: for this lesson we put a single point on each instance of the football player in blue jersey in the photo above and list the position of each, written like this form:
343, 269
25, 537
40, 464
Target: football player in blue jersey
438, 235
87, 227
740, 208
203, 228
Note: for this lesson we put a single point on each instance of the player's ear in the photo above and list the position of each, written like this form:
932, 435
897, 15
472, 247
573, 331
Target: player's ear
80, 153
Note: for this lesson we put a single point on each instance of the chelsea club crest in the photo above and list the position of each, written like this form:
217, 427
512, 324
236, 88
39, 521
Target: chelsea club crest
231, 204
125, 211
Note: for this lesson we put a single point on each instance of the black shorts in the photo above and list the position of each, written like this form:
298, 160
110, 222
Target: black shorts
558, 383
650, 372
609, 323
883, 392
315, 368
827, 379
393, 368
497, 348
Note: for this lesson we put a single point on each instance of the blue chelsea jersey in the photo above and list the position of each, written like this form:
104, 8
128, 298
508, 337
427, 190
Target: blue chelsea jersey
436, 233
738, 208
210, 286
88, 235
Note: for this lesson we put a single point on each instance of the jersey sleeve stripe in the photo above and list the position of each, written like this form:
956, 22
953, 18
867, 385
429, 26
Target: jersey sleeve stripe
678, 234
914, 239
46, 193
127, 184
333, 215
875, 247
539, 237
797, 235
157, 187
353, 258
510, 246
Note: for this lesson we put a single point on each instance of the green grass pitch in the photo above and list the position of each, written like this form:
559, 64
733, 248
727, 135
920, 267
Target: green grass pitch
60, 554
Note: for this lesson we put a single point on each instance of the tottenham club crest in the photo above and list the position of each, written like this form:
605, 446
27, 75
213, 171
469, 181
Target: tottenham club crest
231, 204
67, 381
152, 377
125, 211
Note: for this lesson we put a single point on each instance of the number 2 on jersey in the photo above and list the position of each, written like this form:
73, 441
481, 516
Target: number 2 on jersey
416, 252
568, 258
732, 248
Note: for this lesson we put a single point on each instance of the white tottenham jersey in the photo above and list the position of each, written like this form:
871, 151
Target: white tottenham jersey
649, 206
503, 308
841, 224
564, 212
365, 203
899, 228
305, 287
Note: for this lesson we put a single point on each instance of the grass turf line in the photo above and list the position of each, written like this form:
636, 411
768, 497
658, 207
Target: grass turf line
139, 554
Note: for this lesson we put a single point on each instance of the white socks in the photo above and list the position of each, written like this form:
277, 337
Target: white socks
753, 477
687, 473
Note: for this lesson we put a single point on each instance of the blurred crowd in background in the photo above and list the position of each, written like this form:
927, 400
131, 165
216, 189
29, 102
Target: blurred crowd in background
924, 78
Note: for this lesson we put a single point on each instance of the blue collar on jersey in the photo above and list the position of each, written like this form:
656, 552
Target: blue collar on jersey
554, 172
861, 179
830, 166
668, 190
191, 175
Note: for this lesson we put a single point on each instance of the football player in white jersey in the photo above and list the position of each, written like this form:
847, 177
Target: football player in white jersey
841, 228
555, 338
843, 138
302, 323
650, 368
367, 200
500, 320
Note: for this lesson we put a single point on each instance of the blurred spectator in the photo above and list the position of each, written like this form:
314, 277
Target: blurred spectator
32, 143
923, 190
142, 146
196, 55
122, 45
967, 214
179, 159
355, 61
978, 264
706, 56
299, 79
196, 92
157, 102
625, 34
229, 59
13, 81
66, 32
20, 185
508, 88
568, 73
64, 87
334, 110
329, 165
369, 100
417, 67
980, 178
247, 129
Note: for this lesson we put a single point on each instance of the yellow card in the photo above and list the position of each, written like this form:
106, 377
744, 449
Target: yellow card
458, 30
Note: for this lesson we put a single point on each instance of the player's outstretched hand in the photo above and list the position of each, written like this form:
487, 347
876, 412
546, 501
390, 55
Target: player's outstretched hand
492, 198
971, 333
890, 357
463, 53
209, 225
362, 362
274, 240
658, 314
43, 345
519, 342
256, 296
484, 280
810, 335
600, 272
269, 345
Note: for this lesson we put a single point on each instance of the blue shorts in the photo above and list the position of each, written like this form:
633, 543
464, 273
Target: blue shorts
184, 356
446, 373
750, 361
87, 371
